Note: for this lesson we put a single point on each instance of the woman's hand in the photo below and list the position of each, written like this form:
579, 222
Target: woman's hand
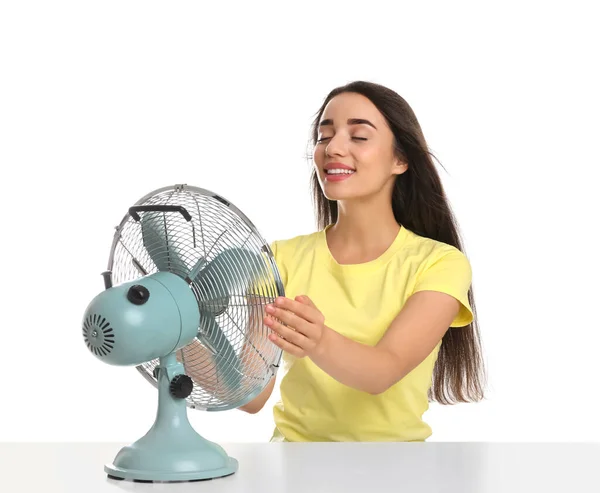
304, 331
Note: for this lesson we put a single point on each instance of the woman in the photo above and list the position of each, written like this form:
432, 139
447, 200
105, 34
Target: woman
379, 315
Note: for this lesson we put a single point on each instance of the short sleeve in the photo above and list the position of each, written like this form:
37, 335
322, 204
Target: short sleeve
451, 274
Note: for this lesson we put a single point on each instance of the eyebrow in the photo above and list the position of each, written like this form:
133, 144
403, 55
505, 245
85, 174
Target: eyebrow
351, 121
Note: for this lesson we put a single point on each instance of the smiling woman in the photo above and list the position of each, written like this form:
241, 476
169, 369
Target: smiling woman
363, 145
379, 317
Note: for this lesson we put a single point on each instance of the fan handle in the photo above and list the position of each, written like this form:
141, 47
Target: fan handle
133, 211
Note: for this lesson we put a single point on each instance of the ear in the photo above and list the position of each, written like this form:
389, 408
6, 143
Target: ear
399, 166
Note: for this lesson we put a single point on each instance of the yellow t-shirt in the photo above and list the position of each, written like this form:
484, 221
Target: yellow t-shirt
360, 301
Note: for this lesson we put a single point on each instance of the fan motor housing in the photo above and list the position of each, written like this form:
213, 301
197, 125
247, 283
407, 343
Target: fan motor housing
141, 320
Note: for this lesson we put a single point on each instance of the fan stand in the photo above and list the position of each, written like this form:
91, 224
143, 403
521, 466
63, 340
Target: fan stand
171, 450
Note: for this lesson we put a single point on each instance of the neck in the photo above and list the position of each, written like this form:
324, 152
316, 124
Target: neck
364, 226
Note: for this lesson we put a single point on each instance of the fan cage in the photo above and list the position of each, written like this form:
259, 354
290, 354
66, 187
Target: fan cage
216, 225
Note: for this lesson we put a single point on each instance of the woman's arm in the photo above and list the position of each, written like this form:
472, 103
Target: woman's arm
410, 338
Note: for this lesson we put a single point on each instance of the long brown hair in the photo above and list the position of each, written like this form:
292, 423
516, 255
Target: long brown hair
421, 206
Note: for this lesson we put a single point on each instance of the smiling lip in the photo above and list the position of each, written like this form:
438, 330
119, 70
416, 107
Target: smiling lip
340, 176
337, 166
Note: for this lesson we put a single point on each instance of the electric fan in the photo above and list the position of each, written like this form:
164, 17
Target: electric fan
184, 295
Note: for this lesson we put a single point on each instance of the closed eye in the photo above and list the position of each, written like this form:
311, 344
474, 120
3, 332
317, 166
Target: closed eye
327, 138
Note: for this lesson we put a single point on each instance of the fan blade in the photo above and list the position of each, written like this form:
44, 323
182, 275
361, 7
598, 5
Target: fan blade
156, 240
227, 362
231, 271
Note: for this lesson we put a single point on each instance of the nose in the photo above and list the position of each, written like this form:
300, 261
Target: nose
335, 147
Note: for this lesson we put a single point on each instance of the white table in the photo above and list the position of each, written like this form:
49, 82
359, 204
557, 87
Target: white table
324, 467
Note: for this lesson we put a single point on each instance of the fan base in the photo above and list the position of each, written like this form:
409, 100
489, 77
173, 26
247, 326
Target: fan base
171, 450
151, 481
137, 476
161, 459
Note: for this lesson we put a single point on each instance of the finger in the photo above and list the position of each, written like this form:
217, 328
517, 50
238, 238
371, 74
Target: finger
286, 346
308, 313
287, 333
292, 320
305, 300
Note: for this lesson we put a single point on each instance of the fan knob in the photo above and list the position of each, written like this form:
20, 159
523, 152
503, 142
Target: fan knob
181, 386
138, 294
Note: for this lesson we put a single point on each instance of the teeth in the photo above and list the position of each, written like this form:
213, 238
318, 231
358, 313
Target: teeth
339, 172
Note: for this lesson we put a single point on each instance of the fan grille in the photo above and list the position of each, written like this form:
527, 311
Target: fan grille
215, 226
98, 335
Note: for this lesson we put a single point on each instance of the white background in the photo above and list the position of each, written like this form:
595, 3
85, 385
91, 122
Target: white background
102, 102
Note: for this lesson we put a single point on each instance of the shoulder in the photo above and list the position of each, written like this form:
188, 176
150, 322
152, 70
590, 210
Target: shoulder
444, 268
290, 252
428, 252
285, 249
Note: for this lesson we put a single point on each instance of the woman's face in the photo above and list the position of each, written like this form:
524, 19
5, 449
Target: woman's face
353, 133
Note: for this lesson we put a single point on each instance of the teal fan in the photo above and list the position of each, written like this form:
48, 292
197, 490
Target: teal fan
188, 279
